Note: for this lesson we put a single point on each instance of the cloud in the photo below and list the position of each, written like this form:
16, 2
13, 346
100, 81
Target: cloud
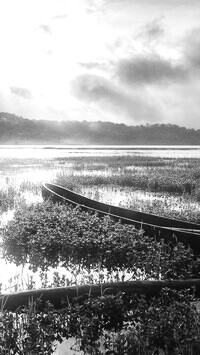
153, 30
96, 89
153, 2
91, 65
149, 70
46, 29
21, 92
59, 17
106, 66
192, 48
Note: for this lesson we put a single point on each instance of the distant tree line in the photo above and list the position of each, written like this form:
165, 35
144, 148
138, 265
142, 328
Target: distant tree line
19, 130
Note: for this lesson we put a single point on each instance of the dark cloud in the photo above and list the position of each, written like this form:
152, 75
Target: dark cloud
46, 29
192, 48
149, 70
94, 88
154, 29
22, 92
97, 89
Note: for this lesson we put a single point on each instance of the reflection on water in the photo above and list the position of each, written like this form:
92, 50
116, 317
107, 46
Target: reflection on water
25, 168
15, 278
22, 166
10, 274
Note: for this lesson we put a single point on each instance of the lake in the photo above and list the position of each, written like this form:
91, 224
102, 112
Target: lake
23, 169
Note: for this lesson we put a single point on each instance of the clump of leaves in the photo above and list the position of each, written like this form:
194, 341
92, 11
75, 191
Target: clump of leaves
135, 325
48, 234
29, 331
108, 324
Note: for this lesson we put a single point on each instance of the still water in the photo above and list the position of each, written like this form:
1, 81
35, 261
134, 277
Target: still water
27, 167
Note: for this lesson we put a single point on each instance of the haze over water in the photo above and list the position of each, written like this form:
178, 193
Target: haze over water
52, 151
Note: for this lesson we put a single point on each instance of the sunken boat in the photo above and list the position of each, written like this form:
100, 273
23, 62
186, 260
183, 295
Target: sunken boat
168, 229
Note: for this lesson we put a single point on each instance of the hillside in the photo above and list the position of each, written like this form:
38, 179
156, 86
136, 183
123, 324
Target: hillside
18, 130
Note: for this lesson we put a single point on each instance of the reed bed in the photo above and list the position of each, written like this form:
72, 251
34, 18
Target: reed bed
172, 184
168, 205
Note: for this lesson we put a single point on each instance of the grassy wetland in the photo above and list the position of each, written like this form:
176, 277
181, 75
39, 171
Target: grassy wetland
46, 245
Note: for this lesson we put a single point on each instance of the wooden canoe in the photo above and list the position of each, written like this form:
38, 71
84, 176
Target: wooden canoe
56, 295
153, 225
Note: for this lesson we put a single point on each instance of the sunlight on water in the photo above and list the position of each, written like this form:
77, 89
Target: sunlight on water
9, 272
30, 197
156, 203
53, 151
6, 217
35, 175
15, 278
24, 165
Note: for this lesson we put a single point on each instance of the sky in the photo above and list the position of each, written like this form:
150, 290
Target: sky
126, 61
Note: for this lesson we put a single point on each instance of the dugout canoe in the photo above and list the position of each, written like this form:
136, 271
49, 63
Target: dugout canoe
59, 296
170, 230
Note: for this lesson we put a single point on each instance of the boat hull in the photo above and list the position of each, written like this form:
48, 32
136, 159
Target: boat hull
56, 295
159, 227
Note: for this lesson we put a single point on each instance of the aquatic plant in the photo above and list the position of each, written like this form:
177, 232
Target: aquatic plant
7, 198
133, 170
48, 235
108, 324
98, 250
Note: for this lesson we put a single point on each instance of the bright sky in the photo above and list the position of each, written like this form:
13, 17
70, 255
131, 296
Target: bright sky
129, 61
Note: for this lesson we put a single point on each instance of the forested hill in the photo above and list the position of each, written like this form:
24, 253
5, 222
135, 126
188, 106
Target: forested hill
18, 130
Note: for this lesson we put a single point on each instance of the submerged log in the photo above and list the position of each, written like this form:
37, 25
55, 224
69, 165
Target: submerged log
61, 295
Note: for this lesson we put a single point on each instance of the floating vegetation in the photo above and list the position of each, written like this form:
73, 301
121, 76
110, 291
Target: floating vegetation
51, 235
67, 246
108, 324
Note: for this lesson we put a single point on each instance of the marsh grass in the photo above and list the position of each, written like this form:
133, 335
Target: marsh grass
7, 198
131, 169
168, 205
169, 186
13, 197
171, 175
